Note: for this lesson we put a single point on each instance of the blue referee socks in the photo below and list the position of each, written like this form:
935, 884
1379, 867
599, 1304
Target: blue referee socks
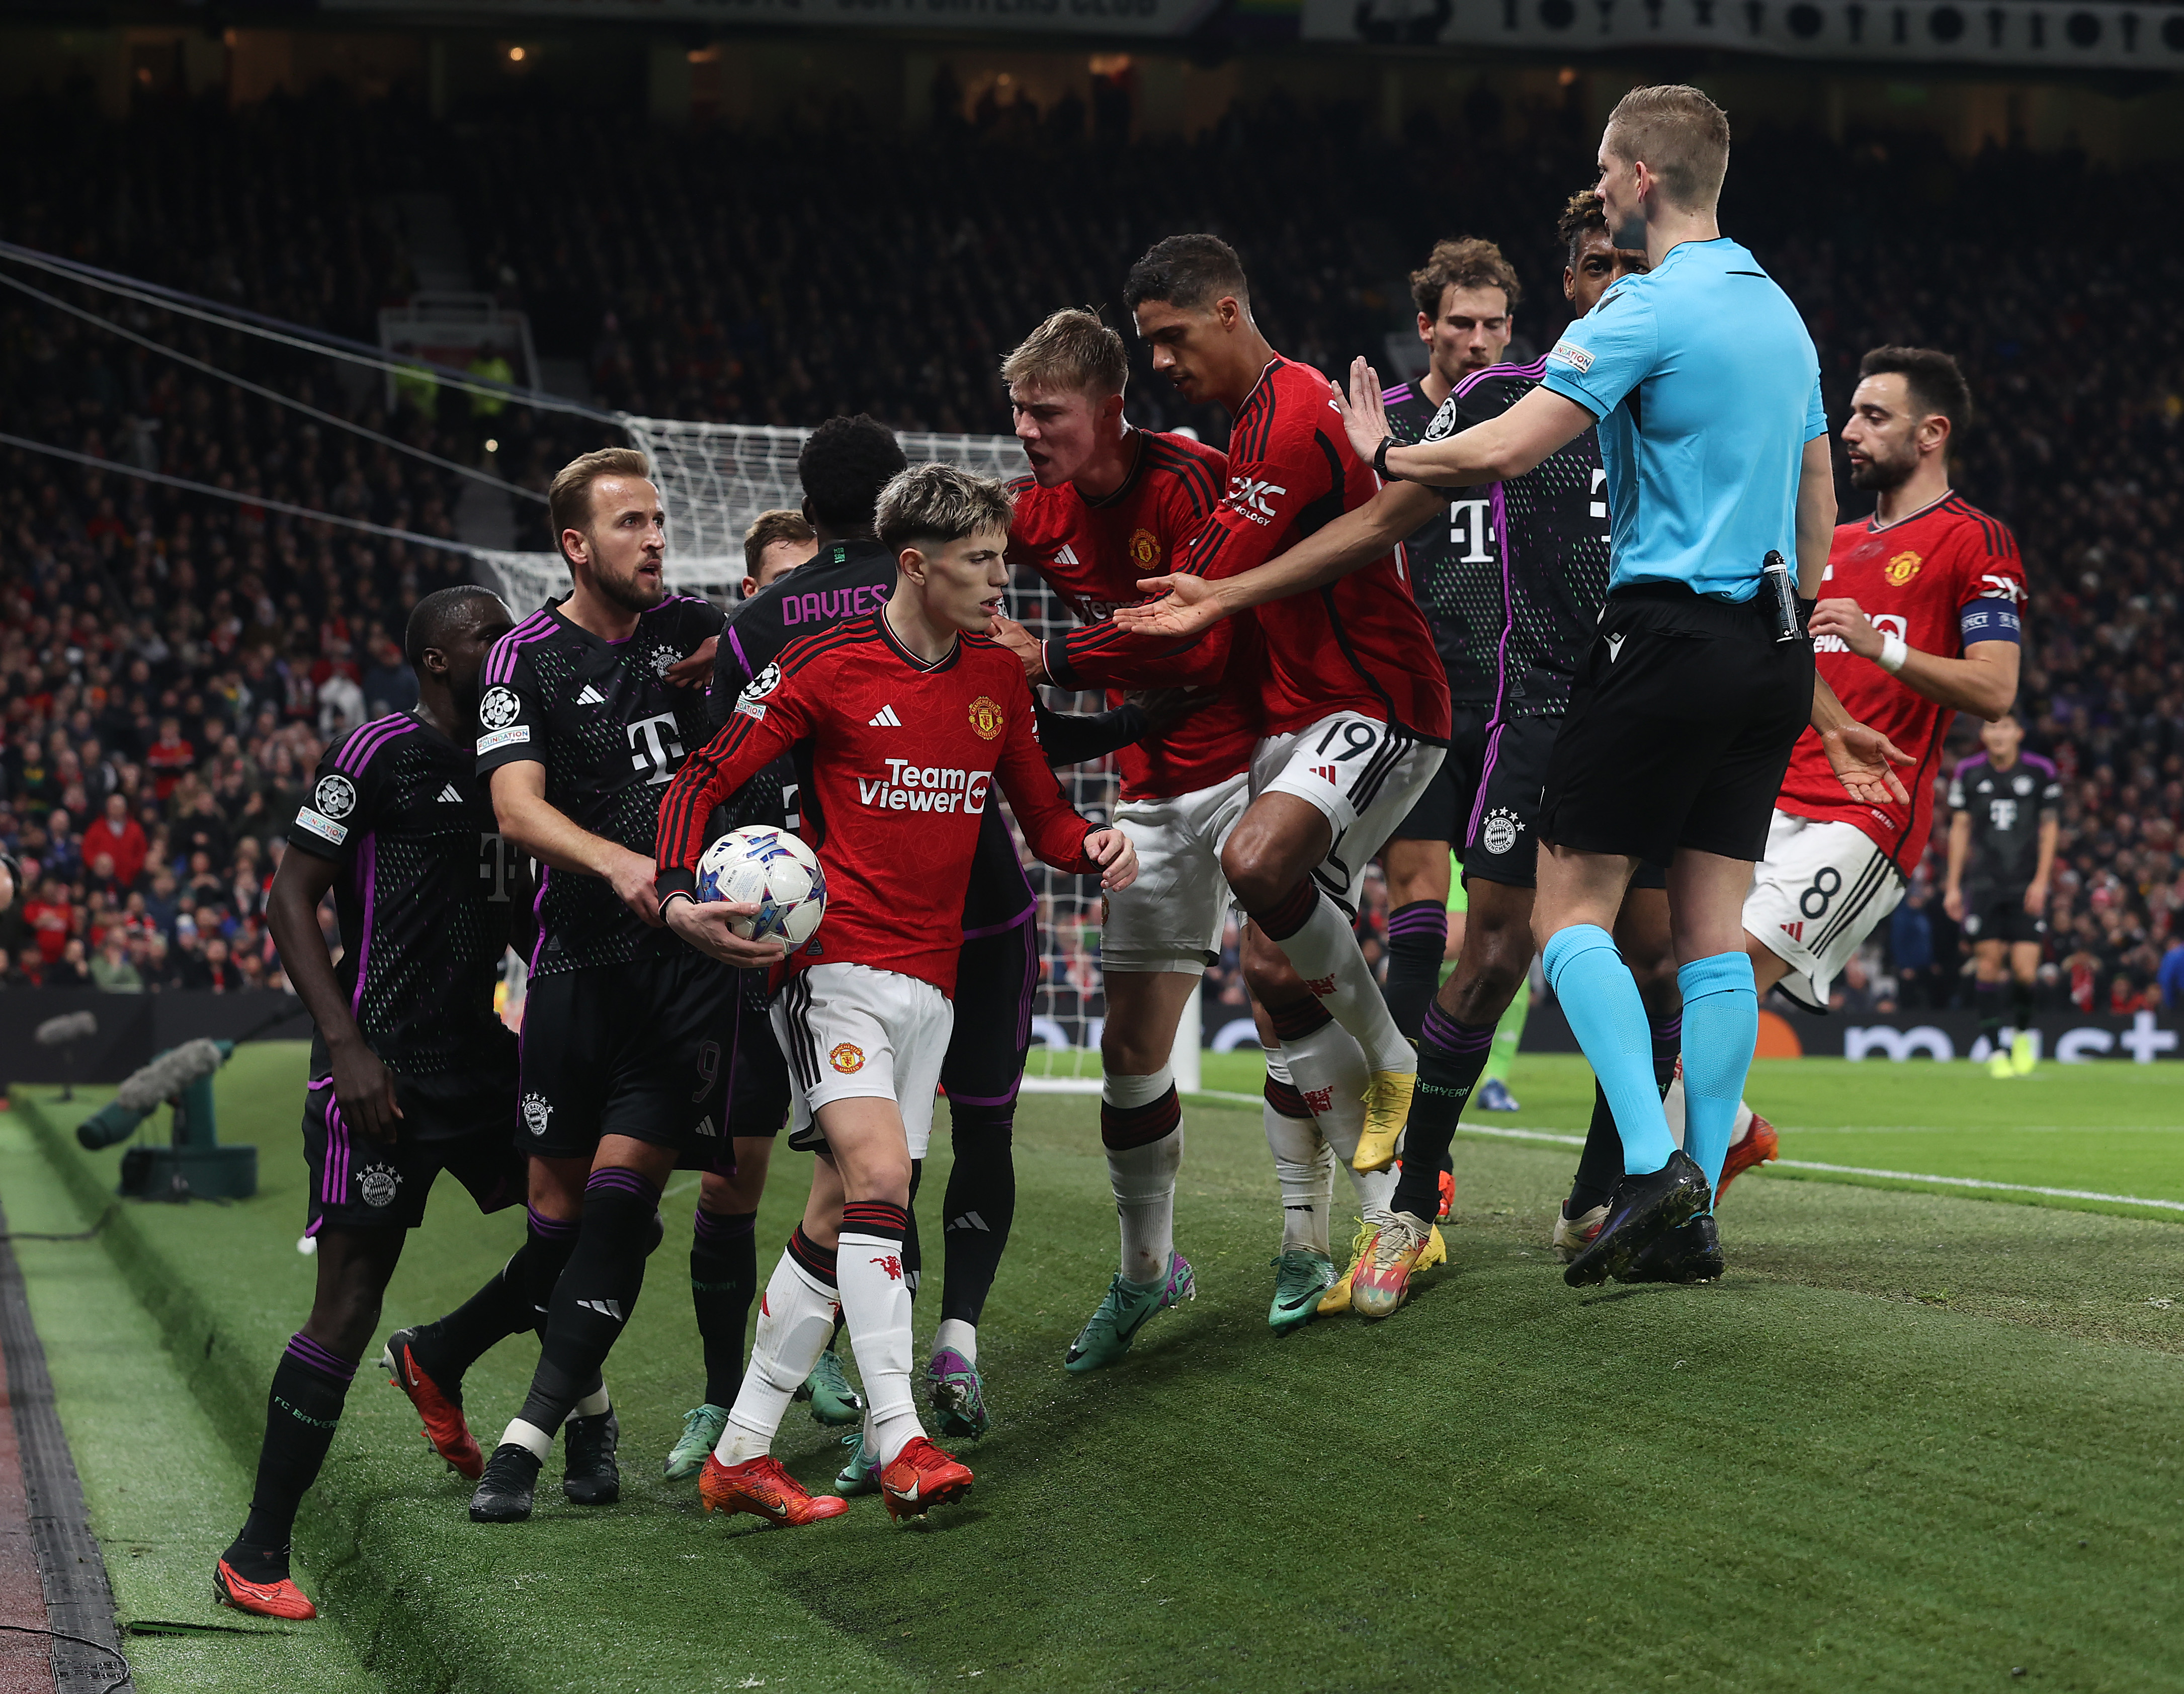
1721, 1027
1600, 998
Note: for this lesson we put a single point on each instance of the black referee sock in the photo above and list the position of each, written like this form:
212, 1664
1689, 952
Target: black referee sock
595, 1295
1451, 1057
301, 1410
2020, 1004
1417, 936
1987, 998
723, 1276
979, 1208
1600, 1165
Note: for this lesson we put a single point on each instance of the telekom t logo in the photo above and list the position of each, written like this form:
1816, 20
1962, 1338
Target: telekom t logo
660, 747
1470, 528
495, 861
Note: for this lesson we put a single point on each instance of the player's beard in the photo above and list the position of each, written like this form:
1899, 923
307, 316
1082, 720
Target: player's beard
627, 593
1880, 476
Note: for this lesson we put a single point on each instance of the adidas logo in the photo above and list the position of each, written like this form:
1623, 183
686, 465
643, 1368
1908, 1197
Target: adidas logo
1795, 932
1326, 773
969, 1220
605, 1308
450, 796
884, 719
707, 1128
1067, 556
590, 696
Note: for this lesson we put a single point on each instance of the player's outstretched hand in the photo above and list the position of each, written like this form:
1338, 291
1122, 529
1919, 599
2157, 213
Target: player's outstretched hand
696, 670
1364, 418
1111, 849
1022, 643
1862, 757
630, 875
363, 1091
1183, 606
705, 927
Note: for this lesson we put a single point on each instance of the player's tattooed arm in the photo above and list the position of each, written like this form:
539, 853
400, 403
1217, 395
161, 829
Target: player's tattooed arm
1861, 755
548, 834
363, 1088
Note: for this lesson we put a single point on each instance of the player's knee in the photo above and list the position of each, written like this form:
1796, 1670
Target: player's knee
1127, 1053
1255, 875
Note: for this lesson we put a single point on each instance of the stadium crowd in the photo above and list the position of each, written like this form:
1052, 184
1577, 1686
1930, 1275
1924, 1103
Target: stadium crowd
171, 665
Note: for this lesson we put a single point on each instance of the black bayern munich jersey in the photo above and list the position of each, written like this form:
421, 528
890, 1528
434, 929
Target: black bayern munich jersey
2005, 808
1456, 571
610, 732
1548, 531
429, 897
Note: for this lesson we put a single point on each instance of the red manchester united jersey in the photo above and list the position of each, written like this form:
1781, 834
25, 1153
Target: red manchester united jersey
896, 758
1943, 580
1359, 644
1092, 554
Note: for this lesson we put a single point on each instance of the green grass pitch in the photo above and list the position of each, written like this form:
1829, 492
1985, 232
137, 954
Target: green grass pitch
1914, 1440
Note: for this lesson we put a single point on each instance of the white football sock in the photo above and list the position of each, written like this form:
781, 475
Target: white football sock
1329, 1070
1304, 1165
795, 1322
1672, 1103
1144, 1181
876, 1302
963, 1337
1326, 955
1743, 1125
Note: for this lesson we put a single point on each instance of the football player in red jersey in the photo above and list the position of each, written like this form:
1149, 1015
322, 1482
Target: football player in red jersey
1356, 701
900, 721
1919, 620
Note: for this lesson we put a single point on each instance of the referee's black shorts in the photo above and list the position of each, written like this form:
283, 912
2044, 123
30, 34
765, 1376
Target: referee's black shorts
1679, 729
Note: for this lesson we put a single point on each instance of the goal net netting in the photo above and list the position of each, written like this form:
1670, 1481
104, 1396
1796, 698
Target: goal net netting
715, 480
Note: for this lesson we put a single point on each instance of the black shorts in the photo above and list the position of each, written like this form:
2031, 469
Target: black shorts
758, 1078
1442, 808
996, 975
637, 1050
1679, 729
1995, 913
463, 1122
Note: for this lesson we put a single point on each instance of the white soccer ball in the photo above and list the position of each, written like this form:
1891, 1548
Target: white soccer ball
771, 869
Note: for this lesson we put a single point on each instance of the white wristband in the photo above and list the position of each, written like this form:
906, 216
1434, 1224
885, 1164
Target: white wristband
1894, 650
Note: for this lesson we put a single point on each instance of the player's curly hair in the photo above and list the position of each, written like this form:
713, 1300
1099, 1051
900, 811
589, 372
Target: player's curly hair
1188, 271
1679, 134
1582, 214
844, 466
1470, 263
1071, 351
934, 503
1932, 380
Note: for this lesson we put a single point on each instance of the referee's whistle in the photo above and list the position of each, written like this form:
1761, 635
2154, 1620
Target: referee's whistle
1781, 596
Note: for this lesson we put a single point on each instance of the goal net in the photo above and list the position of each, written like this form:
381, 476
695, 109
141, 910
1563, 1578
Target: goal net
715, 479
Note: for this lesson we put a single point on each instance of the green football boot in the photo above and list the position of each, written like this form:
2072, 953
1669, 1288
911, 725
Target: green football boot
861, 1475
1123, 1312
1301, 1276
833, 1402
701, 1434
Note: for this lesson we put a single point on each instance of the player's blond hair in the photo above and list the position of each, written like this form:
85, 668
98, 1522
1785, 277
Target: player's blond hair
1073, 352
1679, 134
569, 500
934, 503
768, 527
1470, 263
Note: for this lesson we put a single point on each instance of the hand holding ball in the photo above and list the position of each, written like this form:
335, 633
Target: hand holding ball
771, 869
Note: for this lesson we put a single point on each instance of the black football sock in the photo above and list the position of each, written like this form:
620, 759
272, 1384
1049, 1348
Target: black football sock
979, 1208
547, 1249
1451, 1057
595, 1295
302, 1409
1987, 998
1417, 936
497, 1310
1668, 1045
913, 1255
2020, 1004
723, 1276
1600, 1165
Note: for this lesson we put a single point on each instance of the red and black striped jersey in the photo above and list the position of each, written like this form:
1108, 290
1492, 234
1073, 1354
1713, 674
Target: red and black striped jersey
1357, 644
1092, 552
895, 759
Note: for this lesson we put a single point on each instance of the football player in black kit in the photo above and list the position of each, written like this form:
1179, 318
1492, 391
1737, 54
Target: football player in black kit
844, 466
411, 1073
580, 728
2005, 805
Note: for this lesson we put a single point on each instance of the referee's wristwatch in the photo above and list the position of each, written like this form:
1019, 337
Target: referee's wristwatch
1380, 460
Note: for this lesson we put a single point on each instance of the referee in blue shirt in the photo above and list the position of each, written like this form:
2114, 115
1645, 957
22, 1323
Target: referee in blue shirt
1706, 389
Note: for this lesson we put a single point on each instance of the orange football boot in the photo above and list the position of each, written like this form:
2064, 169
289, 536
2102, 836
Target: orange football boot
1758, 1147
921, 1477
281, 1599
762, 1488
445, 1426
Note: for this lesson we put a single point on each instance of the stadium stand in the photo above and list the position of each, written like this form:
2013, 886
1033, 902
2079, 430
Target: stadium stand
169, 665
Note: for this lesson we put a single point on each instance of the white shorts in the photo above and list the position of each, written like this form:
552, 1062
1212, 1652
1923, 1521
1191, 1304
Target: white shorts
1819, 892
854, 1033
1364, 776
1171, 918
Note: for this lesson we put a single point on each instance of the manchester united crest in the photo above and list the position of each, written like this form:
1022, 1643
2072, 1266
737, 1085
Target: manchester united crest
1901, 569
986, 717
848, 1058
1145, 550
